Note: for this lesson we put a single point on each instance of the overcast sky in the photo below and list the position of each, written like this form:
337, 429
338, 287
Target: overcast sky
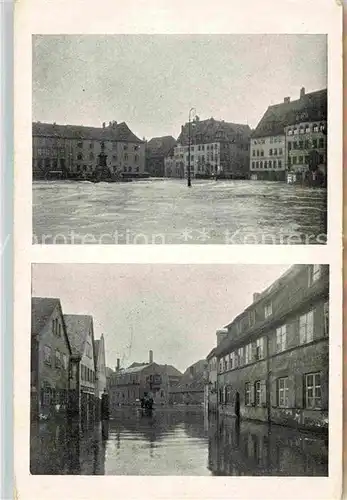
174, 310
151, 81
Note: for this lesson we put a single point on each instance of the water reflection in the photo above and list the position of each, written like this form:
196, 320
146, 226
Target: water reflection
176, 443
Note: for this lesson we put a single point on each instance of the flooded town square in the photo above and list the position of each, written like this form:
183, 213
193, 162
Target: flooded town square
164, 211
177, 442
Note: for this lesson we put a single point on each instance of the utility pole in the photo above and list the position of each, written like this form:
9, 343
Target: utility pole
189, 143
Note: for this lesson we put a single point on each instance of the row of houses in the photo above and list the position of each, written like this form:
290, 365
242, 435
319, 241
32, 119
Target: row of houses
167, 385
271, 363
288, 144
68, 366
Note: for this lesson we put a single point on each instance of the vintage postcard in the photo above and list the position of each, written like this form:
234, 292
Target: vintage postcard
178, 287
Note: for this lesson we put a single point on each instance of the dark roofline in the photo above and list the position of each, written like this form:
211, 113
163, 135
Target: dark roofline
267, 293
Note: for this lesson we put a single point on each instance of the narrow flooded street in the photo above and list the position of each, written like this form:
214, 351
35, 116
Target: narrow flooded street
174, 442
165, 211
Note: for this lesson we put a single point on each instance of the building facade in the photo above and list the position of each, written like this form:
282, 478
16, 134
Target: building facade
80, 332
50, 358
211, 383
128, 386
275, 356
191, 388
100, 355
217, 148
290, 141
72, 152
157, 149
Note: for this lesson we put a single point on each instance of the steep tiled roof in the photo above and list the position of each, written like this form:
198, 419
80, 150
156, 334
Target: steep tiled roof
118, 132
313, 106
192, 379
210, 129
97, 347
160, 146
41, 310
77, 327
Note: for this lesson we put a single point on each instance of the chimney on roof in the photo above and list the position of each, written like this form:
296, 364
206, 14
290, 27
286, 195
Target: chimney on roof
287, 100
221, 335
256, 296
103, 124
150, 356
302, 92
118, 365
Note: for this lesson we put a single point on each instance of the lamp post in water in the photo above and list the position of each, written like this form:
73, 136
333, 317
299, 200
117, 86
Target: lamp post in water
189, 142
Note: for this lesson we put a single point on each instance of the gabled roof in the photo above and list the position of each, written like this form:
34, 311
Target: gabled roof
311, 107
115, 132
77, 328
211, 129
97, 347
211, 353
192, 379
41, 310
160, 146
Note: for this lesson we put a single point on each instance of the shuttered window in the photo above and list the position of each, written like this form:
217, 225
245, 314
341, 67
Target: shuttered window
306, 328
283, 392
313, 392
247, 393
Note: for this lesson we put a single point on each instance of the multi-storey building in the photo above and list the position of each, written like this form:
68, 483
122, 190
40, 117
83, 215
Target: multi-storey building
275, 356
80, 332
211, 382
71, 151
290, 140
127, 386
100, 356
216, 148
191, 387
157, 149
50, 358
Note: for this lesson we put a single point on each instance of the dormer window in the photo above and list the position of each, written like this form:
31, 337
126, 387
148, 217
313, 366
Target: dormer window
268, 309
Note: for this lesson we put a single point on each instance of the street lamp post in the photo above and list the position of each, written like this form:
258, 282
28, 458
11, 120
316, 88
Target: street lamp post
189, 142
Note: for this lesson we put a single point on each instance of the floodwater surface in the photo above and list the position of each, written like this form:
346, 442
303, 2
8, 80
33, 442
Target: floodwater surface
183, 443
160, 211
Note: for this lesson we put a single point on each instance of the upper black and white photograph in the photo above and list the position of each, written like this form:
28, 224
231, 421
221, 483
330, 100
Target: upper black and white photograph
179, 139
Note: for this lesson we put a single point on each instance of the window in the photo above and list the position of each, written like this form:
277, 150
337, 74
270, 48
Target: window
91, 145
65, 362
125, 147
247, 393
47, 355
295, 145
253, 152
265, 164
226, 364
260, 392
279, 163
315, 272
321, 143
259, 352
257, 152
261, 164
261, 152
253, 164
281, 338
313, 393
326, 318
57, 359
314, 143
282, 392
80, 144
301, 159
80, 156
294, 159
220, 366
280, 151
307, 159
301, 144
301, 130
275, 164
136, 147
315, 128
268, 309
125, 157
270, 152
307, 129
275, 152
296, 131
289, 145
240, 356
251, 317
307, 144
257, 164
306, 328
270, 163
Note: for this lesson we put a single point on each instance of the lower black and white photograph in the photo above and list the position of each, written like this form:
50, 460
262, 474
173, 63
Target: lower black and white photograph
179, 370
